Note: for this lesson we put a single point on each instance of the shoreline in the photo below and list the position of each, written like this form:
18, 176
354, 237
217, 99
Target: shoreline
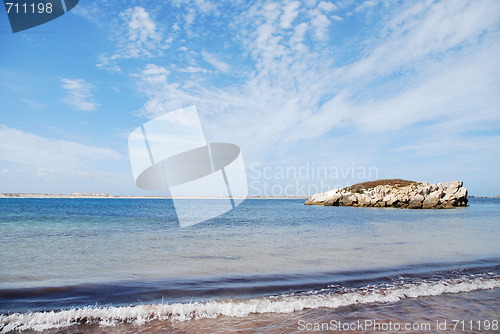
107, 196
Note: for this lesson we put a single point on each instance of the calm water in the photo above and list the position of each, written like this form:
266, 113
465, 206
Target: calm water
261, 267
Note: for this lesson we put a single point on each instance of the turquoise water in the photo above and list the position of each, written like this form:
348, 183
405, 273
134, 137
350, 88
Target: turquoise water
60, 254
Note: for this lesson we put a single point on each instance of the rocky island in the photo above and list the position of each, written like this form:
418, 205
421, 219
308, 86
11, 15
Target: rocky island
395, 193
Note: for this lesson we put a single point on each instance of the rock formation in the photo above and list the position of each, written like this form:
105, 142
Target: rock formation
395, 193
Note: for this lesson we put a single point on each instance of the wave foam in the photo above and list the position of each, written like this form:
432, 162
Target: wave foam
141, 314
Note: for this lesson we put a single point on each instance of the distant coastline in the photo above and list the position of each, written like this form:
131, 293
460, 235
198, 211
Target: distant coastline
108, 196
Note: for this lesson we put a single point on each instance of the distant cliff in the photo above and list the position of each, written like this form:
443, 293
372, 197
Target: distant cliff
395, 193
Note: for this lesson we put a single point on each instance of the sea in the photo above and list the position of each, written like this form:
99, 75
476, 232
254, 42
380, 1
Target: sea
268, 266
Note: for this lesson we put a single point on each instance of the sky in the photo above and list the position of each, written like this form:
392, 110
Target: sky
317, 94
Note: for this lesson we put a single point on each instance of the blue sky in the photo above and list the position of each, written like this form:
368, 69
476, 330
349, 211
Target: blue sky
409, 89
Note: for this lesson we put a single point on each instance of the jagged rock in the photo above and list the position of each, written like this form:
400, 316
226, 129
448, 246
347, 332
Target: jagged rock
395, 193
319, 199
431, 201
364, 201
416, 201
347, 200
334, 200
389, 199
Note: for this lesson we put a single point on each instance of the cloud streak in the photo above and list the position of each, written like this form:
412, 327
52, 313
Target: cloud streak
137, 35
216, 63
414, 70
78, 94
271, 76
49, 158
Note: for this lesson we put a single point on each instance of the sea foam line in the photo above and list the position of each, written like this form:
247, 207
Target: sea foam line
140, 314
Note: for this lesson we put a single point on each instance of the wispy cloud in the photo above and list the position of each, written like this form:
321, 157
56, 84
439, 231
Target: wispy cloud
137, 36
192, 10
33, 104
78, 94
288, 72
321, 19
142, 37
194, 69
365, 5
423, 74
216, 63
49, 159
153, 81
290, 13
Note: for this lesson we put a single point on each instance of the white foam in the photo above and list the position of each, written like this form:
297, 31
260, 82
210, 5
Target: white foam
141, 314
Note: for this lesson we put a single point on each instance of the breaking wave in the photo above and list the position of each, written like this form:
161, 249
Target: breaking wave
329, 297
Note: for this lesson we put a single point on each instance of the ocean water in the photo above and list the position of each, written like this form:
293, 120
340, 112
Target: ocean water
277, 266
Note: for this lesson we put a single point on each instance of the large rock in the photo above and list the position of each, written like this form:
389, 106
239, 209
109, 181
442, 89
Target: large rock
319, 199
416, 201
431, 200
395, 193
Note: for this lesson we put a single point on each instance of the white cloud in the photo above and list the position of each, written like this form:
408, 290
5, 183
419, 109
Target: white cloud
206, 6
450, 91
410, 70
193, 9
297, 81
194, 69
137, 36
365, 5
212, 60
448, 82
141, 28
321, 19
142, 36
78, 94
290, 13
189, 18
447, 74
105, 63
163, 96
427, 29
320, 22
297, 39
327, 6
49, 159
